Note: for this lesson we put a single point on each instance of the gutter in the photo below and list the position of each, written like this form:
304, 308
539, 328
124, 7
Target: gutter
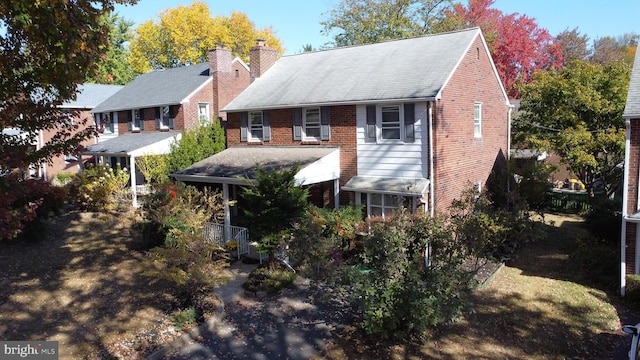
625, 216
431, 157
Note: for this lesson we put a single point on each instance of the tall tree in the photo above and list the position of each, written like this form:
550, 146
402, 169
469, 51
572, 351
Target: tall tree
575, 46
518, 45
185, 34
355, 22
577, 113
46, 49
113, 66
607, 50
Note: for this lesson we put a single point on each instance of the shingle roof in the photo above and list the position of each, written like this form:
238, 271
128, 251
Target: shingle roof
129, 142
241, 161
91, 95
632, 107
415, 68
158, 88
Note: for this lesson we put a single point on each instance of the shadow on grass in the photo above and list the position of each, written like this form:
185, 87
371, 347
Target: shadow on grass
82, 286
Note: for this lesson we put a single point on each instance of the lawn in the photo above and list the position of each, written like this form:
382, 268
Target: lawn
535, 307
84, 287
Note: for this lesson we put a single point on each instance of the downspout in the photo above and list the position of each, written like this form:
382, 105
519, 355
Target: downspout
132, 166
625, 200
509, 132
431, 180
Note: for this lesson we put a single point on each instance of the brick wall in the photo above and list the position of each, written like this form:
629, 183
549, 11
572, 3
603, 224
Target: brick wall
343, 134
58, 164
459, 158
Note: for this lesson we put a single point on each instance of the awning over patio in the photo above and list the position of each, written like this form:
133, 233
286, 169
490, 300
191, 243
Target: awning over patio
384, 185
132, 145
237, 164
135, 144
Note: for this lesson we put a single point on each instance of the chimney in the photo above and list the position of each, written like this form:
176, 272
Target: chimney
221, 70
261, 58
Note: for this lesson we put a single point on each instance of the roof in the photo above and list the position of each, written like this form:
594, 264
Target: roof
394, 186
158, 88
415, 68
137, 144
91, 95
632, 107
236, 164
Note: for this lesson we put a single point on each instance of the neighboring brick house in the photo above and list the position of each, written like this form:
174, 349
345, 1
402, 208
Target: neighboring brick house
146, 115
88, 96
409, 122
630, 239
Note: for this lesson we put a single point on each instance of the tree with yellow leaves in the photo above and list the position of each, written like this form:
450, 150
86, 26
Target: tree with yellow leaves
185, 34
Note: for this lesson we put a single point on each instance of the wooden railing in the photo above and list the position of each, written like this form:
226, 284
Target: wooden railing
568, 201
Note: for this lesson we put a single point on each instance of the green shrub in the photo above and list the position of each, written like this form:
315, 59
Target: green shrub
632, 293
271, 281
322, 239
604, 219
185, 318
401, 294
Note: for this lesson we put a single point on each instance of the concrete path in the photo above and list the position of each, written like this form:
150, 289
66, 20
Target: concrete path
294, 324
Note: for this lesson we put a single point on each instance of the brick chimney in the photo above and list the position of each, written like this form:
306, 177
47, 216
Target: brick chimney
222, 72
261, 58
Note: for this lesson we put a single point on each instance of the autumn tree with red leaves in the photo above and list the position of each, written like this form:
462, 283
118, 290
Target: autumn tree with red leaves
519, 47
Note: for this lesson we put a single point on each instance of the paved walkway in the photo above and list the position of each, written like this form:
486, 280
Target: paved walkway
294, 324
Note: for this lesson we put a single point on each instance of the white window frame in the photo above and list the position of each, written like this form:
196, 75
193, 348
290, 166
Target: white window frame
382, 126
204, 118
165, 116
136, 120
106, 122
388, 204
311, 125
477, 120
255, 126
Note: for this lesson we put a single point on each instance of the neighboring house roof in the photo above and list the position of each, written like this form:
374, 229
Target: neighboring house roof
632, 107
91, 95
158, 88
136, 144
409, 69
237, 164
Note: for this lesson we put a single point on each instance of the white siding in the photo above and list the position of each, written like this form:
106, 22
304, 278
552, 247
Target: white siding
408, 160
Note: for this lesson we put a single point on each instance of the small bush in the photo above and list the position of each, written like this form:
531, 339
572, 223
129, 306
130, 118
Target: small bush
100, 188
603, 221
632, 293
271, 281
185, 318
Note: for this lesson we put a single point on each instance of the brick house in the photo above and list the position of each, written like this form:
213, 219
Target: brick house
409, 122
630, 238
88, 96
152, 111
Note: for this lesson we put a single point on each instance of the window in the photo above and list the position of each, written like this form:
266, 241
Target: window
390, 122
256, 131
203, 113
70, 158
477, 120
384, 205
311, 124
255, 126
106, 123
137, 123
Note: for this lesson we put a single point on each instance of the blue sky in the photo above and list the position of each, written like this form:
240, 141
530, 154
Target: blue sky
297, 22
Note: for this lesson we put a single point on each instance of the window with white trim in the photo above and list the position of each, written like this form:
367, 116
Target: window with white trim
137, 123
390, 122
311, 123
203, 113
384, 205
256, 126
477, 120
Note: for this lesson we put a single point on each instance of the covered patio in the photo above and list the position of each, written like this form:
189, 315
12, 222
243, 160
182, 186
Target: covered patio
127, 147
236, 166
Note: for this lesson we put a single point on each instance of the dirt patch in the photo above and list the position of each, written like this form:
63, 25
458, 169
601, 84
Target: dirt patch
84, 286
